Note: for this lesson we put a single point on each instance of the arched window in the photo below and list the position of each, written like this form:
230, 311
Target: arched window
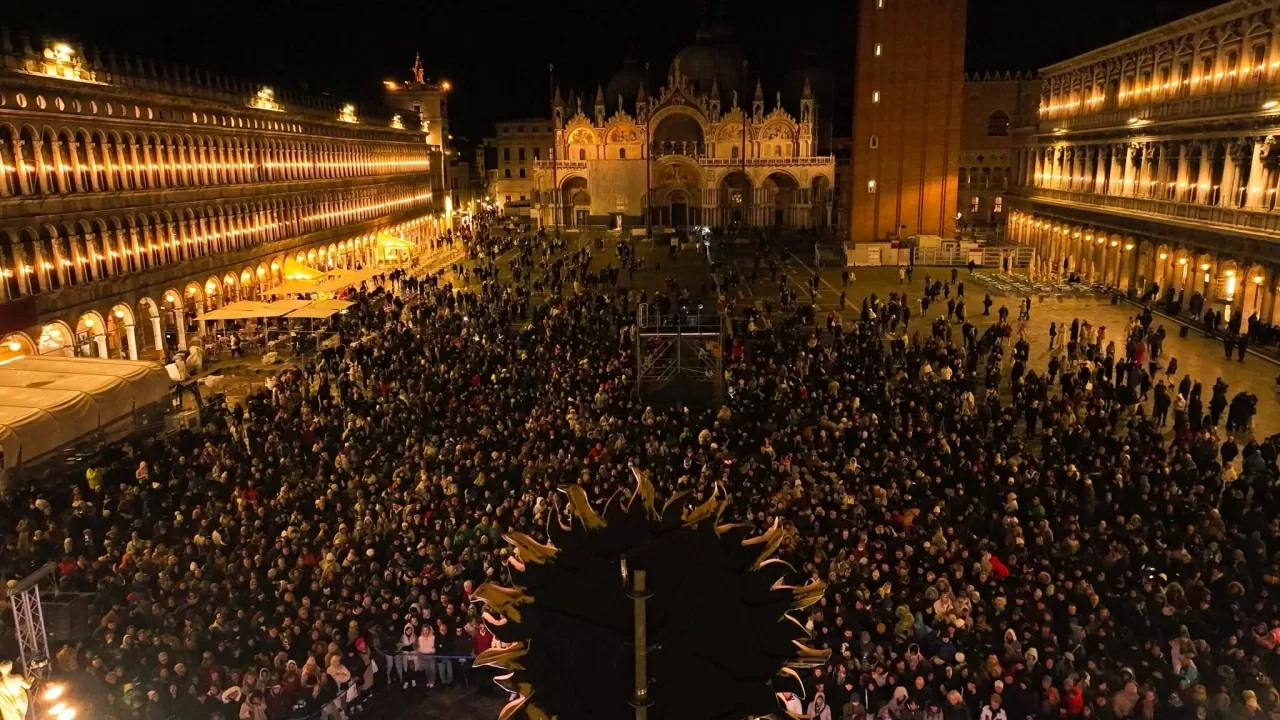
582, 153
733, 153
998, 123
875, 141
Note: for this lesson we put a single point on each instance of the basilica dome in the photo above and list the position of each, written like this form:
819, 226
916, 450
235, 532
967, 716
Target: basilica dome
713, 57
626, 83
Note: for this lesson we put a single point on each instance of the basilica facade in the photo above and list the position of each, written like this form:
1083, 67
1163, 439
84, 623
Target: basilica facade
692, 153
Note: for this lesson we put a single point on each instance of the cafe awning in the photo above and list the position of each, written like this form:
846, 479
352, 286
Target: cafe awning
294, 270
239, 310
349, 280
320, 309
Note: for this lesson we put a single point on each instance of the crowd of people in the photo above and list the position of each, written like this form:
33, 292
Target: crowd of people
999, 541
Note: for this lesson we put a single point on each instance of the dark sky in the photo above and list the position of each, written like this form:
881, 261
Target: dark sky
496, 52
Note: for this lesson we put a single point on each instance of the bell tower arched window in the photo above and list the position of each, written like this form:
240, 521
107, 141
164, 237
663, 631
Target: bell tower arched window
998, 123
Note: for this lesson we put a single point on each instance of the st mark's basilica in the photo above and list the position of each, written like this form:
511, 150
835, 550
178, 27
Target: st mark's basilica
708, 148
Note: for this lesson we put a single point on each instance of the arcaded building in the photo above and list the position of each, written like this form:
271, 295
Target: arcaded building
1153, 161
908, 85
136, 196
707, 148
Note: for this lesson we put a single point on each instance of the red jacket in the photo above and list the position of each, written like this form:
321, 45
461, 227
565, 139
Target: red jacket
998, 568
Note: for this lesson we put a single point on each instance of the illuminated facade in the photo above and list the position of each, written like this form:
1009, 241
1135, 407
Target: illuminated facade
135, 197
908, 85
696, 151
1153, 161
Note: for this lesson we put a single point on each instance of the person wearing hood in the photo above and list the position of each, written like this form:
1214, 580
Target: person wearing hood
818, 709
407, 657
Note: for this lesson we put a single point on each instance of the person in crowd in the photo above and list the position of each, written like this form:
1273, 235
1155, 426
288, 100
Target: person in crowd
998, 540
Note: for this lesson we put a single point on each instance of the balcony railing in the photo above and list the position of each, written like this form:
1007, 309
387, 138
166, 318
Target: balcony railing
820, 161
1245, 101
765, 161
1224, 218
562, 165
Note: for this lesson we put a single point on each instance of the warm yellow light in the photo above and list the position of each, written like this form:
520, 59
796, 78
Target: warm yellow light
67, 714
1257, 279
1128, 246
446, 86
15, 346
89, 322
1182, 261
1270, 104
1230, 273
1204, 266
1115, 243
119, 313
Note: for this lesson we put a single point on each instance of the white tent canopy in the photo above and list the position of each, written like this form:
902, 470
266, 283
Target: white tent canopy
46, 403
321, 309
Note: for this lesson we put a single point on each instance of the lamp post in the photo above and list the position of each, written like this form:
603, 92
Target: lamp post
555, 144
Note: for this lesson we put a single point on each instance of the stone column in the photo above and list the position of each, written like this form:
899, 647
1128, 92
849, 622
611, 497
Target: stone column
1229, 195
1256, 197
1128, 183
1115, 182
1182, 188
1090, 169
1037, 169
1204, 185
1161, 187
1100, 169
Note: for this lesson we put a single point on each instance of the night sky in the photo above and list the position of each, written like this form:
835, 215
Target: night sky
496, 53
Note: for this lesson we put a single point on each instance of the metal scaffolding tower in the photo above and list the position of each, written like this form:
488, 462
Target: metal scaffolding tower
678, 345
28, 622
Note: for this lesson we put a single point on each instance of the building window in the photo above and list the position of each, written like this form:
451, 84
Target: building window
1206, 68
506, 172
1259, 57
520, 153
777, 151
871, 187
998, 123
537, 154
522, 197
975, 203
508, 198
878, 49
520, 129
879, 4
521, 172
875, 141
733, 153
582, 153
506, 154
999, 205
875, 96
622, 153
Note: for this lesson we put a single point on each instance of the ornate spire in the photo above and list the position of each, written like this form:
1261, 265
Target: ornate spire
759, 91
777, 100
555, 100
715, 86
599, 94
417, 68
808, 90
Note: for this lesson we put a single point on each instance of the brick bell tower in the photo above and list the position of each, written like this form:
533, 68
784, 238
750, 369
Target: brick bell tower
908, 92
